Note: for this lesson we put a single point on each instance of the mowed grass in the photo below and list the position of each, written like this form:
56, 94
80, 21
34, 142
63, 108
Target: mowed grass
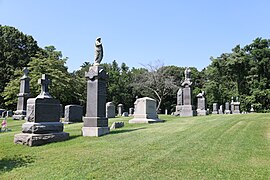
210, 147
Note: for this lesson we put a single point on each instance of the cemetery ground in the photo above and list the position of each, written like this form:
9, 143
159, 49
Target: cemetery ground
206, 147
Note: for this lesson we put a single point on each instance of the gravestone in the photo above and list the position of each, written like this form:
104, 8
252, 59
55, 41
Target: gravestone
95, 122
201, 104
236, 109
1, 112
220, 111
227, 108
9, 113
42, 119
131, 111
110, 110
187, 107
215, 108
232, 105
145, 111
73, 113
252, 109
24, 94
125, 114
116, 125
179, 103
120, 109
166, 111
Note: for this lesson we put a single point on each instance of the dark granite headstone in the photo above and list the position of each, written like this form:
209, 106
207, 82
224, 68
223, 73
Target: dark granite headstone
73, 113
24, 94
95, 120
42, 119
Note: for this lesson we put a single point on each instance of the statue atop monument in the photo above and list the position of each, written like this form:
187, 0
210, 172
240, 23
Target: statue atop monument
98, 51
187, 74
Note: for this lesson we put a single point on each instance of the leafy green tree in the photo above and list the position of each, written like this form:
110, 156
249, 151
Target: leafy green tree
16, 50
50, 62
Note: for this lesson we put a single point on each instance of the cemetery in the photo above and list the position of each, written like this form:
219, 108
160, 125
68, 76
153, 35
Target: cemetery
106, 120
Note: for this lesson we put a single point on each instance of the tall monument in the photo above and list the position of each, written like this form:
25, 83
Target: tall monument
24, 94
184, 97
95, 120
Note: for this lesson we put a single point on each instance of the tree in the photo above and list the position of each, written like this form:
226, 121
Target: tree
155, 82
50, 62
16, 50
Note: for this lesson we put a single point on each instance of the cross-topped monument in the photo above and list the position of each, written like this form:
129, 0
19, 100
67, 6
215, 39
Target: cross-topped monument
44, 81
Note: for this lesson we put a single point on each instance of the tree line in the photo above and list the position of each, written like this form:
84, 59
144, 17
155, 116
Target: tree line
243, 73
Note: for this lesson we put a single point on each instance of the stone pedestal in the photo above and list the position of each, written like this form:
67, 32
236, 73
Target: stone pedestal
95, 120
145, 111
24, 94
42, 119
187, 108
236, 108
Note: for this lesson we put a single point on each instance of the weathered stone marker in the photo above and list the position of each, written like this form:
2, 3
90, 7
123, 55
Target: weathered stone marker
215, 108
227, 108
73, 113
120, 109
145, 111
95, 121
110, 110
42, 119
201, 104
24, 94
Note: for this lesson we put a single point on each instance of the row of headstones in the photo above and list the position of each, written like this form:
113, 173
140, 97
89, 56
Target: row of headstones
110, 110
235, 108
5, 113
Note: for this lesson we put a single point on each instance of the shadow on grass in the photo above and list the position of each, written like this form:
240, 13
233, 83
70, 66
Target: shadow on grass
118, 131
73, 137
9, 163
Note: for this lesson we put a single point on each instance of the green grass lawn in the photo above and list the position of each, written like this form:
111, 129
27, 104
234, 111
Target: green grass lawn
210, 147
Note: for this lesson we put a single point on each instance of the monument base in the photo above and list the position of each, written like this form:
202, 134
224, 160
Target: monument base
201, 112
227, 112
42, 127
236, 112
18, 117
215, 112
187, 110
39, 139
144, 120
220, 112
95, 131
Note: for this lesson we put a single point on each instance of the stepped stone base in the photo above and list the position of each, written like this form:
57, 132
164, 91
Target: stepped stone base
201, 112
95, 131
18, 117
187, 110
39, 139
42, 127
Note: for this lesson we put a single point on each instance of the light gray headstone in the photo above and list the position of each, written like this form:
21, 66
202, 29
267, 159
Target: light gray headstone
215, 108
110, 110
120, 109
145, 111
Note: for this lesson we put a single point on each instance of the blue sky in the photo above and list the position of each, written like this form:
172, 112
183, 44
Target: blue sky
176, 32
